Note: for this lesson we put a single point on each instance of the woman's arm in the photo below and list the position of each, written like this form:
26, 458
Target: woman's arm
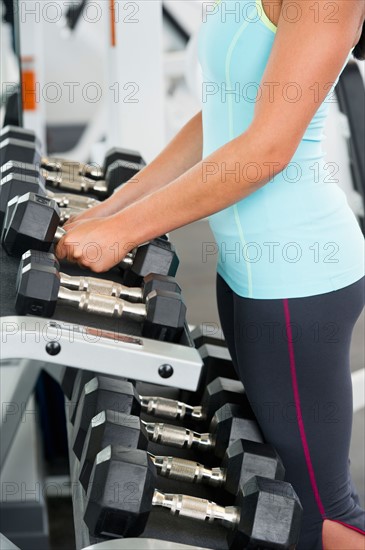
183, 152
308, 53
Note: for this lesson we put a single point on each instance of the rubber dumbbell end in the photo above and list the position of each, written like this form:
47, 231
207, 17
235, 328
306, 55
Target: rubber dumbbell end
37, 290
33, 225
270, 516
110, 428
166, 313
117, 475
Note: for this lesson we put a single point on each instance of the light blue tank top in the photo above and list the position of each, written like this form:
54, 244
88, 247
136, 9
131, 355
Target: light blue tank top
297, 235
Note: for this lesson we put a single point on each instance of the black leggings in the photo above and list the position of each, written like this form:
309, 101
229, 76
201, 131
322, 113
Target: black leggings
292, 356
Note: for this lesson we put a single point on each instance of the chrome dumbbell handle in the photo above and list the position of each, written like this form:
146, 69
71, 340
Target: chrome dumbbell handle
170, 408
177, 436
72, 201
187, 470
128, 260
70, 167
60, 232
107, 306
196, 508
76, 183
101, 286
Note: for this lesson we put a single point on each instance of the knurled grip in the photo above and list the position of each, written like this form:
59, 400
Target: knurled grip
161, 406
101, 305
105, 305
68, 166
205, 510
196, 508
170, 435
177, 436
72, 201
110, 306
170, 408
75, 183
179, 469
62, 181
91, 284
100, 286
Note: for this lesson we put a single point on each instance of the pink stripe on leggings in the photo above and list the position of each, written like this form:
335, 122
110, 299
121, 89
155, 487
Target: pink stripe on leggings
299, 410
357, 529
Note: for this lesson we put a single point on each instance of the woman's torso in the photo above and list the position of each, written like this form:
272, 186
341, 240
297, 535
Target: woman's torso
296, 236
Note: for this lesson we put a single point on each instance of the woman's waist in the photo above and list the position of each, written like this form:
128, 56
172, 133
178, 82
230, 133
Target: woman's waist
295, 215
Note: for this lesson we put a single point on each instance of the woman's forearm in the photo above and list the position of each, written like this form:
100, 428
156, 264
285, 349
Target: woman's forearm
228, 175
181, 154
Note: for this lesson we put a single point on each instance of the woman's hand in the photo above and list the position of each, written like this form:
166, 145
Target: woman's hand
99, 211
97, 244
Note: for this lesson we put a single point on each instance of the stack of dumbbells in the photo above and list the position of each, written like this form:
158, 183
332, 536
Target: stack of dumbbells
132, 453
31, 218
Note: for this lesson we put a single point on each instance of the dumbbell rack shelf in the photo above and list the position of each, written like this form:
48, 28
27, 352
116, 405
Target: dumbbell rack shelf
104, 351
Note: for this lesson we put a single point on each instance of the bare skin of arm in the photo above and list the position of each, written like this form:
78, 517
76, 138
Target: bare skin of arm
270, 142
181, 154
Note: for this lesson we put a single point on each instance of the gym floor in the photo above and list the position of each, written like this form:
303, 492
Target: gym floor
197, 279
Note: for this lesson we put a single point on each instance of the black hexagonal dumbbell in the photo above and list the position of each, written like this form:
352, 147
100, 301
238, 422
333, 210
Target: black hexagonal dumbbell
242, 459
16, 180
73, 385
214, 352
228, 423
117, 173
67, 380
217, 393
267, 512
33, 222
108, 427
72, 381
157, 256
102, 286
82, 378
62, 213
38, 291
217, 361
98, 394
11, 189
19, 150
64, 165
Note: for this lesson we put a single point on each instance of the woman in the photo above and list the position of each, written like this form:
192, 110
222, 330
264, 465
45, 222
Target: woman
290, 281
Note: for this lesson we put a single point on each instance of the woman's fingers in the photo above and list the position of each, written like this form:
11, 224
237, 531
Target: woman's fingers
74, 222
92, 243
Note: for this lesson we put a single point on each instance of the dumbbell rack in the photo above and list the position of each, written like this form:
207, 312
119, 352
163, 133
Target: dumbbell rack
161, 525
90, 342
116, 348
108, 346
